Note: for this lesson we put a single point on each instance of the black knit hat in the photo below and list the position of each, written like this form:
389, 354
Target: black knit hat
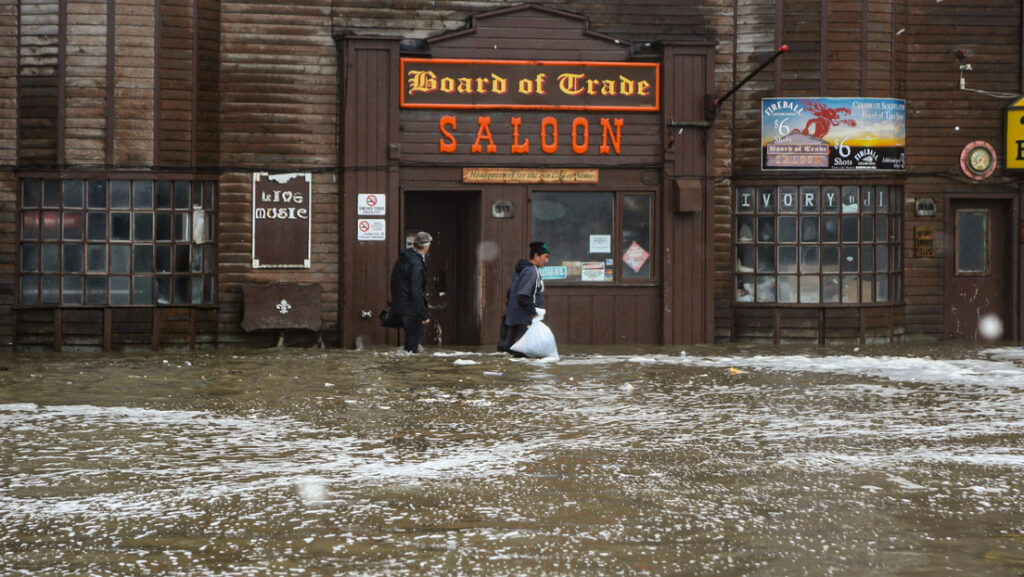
538, 247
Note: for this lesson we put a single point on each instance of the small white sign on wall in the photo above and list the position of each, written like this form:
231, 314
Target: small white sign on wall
371, 205
370, 229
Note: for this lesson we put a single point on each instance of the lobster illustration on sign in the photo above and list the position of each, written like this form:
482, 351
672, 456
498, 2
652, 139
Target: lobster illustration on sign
825, 117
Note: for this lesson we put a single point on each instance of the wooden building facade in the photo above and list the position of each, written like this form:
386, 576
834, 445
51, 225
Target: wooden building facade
162, 163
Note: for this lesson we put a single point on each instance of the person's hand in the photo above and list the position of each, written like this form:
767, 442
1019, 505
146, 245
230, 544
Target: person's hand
426, 321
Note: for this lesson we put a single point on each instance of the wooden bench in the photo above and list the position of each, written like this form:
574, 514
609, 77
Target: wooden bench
282, 306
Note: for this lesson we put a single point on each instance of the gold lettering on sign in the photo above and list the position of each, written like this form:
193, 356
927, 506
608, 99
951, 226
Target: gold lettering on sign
530, 175
529, 85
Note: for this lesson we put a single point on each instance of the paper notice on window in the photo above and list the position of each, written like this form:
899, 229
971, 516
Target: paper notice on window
593, 272
600, 243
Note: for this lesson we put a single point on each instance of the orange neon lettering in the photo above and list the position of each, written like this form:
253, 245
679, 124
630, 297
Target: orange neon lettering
552, 146
580, 147
608, 136
517, 148
484, 133
446, 123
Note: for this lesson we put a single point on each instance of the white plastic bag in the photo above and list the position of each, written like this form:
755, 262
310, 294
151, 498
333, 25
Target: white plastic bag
538, 340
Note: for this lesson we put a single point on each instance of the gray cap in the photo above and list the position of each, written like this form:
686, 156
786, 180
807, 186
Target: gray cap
421, 239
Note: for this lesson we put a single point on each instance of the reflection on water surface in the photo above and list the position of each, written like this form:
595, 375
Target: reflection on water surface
722, 461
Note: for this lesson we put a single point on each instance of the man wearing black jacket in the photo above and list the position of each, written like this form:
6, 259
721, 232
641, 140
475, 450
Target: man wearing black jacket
409, 290
525, 295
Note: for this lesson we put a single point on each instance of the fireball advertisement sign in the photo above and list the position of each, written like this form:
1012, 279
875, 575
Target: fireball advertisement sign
833, 133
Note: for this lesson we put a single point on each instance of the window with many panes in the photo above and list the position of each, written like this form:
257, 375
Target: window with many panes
812, 244
598, 237
97, 242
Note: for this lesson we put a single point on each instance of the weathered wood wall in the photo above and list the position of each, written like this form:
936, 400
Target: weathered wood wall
207, 85
278, 113
942, 119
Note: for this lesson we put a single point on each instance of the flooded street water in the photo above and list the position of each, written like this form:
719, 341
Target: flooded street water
704, 461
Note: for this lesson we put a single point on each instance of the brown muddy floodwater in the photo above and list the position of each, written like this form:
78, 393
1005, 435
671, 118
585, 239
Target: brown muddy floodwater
703, 461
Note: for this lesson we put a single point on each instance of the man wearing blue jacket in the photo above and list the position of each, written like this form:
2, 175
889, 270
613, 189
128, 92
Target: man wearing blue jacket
525, 295
409, 290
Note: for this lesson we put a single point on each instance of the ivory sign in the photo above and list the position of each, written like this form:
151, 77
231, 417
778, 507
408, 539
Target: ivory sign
280, 220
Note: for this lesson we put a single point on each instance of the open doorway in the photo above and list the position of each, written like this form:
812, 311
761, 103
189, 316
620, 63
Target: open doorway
453, 278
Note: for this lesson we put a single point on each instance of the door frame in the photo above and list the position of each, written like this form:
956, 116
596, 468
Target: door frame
1012, 330
465, 302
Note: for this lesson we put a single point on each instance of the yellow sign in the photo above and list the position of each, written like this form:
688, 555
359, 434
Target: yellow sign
1015, 135
527, 175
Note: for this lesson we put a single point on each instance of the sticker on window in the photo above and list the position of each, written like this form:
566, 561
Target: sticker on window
635, 257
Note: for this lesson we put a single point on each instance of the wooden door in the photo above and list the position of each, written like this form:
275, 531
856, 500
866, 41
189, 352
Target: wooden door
450, 262
979, 267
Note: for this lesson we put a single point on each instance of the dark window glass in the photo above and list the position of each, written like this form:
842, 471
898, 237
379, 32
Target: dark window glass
182, 289
163, 290
96, 194
97, 226
51, 225
142, 291
787, 229
74, 258
581, 225
96, 290
120, 290
197, 258
73, 225
51, 193
49, 290
197, 290
72, 290
143, 194
636, 245
120, 194
181, 227
144, 258
31, 192
182, 195
51, 258
120, 258
164, 227
30, 225
972, 241
163, 258
74, 194
841, 248
143, 226
95, 233
29, 257
182, 259
121, 226
96, 258
29, 290
164, 194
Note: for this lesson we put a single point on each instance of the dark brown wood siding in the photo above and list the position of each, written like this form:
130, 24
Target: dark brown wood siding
40, 66
369, 152
941, 120
278, 104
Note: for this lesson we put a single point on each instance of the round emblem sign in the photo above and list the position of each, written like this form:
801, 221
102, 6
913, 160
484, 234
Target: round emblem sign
978, 160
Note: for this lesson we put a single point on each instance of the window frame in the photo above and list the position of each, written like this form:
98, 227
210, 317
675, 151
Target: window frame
119, 285
838, 246
618, 194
